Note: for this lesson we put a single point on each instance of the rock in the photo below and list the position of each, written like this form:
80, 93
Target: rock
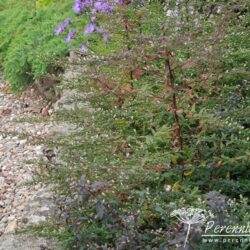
2, 191
5, 111
21, 142
11, 228
71, 100
11, 218
26, 242
35, 219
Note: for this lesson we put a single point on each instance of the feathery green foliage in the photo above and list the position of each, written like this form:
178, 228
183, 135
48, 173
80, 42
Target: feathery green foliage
28, 46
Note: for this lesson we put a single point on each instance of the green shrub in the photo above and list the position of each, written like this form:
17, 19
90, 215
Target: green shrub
28, 46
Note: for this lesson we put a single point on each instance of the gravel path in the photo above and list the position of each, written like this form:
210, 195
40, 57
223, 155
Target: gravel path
22, 204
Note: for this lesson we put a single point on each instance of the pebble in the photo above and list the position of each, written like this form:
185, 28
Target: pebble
30, 204
11, 227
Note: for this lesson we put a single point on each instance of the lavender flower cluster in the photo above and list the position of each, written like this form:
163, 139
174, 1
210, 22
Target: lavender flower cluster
91, 7
100, 5
62, 26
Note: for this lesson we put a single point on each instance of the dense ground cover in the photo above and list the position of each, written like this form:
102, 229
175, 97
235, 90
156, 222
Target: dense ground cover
170, 130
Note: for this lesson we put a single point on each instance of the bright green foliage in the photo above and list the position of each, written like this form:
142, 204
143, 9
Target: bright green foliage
42, 3
28, 46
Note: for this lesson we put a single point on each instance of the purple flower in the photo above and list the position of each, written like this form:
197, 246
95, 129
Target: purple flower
84, 48
59, 30
62, 26
77, 7
103, 7
66, 22
89, 28
80, 5
70, 36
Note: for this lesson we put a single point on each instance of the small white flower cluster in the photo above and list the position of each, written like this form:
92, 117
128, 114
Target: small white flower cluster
190, 215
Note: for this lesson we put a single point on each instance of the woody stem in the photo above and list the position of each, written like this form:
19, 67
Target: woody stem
174, 101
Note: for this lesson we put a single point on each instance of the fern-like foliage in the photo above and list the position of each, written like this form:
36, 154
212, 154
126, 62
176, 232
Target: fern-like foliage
28, 46
42, 3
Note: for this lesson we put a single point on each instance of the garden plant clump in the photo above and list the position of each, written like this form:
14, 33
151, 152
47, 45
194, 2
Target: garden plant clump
169, 84
29, 49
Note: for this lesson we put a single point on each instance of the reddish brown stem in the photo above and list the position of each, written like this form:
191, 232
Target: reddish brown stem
174, 99
126, 24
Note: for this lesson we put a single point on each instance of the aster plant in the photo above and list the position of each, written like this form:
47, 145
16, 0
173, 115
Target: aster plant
90, 8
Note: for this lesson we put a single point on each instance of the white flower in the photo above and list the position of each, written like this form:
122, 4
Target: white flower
167, 187
190, 216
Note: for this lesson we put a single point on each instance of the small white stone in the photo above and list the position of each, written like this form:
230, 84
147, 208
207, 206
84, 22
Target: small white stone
22, 142
11, 228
